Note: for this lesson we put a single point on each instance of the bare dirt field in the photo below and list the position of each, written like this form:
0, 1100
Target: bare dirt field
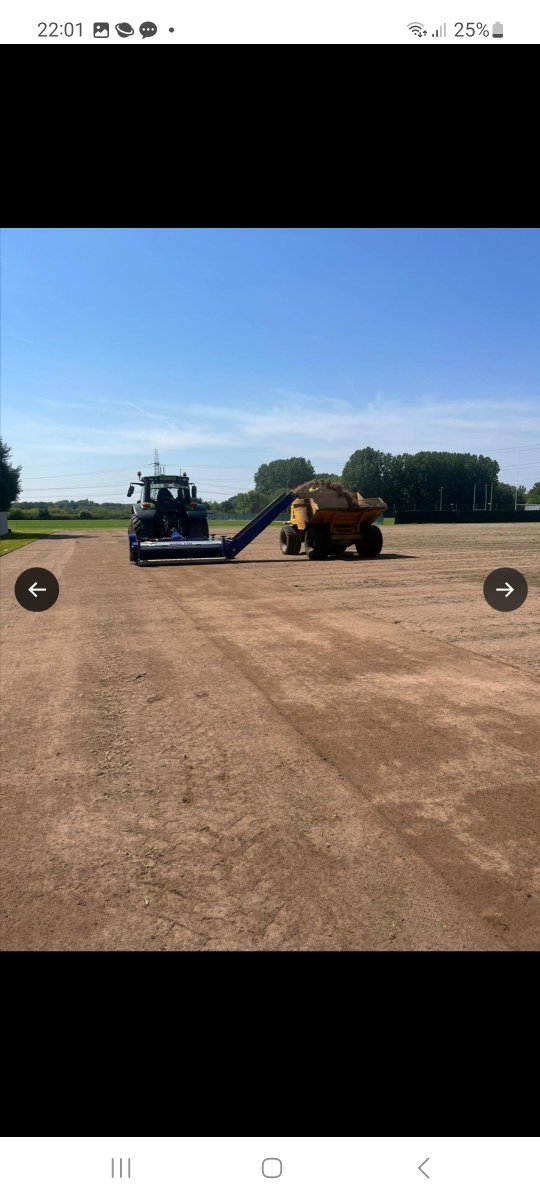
273, 754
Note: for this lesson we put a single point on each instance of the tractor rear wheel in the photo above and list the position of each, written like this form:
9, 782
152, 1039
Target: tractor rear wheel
289, 540
198, 529
337, 549
144, 529
371, 544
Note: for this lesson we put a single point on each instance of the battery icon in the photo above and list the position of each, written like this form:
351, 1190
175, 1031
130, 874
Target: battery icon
497, 30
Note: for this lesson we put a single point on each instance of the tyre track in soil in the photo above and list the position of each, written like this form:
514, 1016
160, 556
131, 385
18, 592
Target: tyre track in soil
483, 841
197, 808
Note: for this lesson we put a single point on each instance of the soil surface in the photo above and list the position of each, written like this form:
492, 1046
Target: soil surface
273, 753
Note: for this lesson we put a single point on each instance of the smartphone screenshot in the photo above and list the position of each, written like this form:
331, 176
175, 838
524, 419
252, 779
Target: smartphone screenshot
269, 595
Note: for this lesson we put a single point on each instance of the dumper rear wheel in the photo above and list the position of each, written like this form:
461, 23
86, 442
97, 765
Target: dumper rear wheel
317, 546
370, 545
338, 549
289, 540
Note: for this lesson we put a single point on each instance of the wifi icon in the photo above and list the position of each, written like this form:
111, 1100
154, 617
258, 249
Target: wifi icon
417, 28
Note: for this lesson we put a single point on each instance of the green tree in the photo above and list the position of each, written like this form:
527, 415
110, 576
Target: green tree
274, 477
44, 514
364, 472
85, 515
504, 496
394, 484
251, 501
10, 482
457, 474
416, 480
533, 497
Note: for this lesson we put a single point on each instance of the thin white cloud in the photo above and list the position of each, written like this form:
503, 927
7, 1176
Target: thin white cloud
285, 422
179, 438
394, 424
334, 402
76, 405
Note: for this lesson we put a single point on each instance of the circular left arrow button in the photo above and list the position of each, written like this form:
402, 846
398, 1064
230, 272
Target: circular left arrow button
37, 589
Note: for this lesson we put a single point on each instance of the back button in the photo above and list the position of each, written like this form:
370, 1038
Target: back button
37, 589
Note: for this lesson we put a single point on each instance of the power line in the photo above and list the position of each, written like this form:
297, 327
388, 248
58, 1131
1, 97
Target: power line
230, 466
221, 485
119, 490
109, 483
511, 466
39, 491
195, 467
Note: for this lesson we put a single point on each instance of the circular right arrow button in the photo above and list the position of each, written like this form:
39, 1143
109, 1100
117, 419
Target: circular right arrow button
505, 589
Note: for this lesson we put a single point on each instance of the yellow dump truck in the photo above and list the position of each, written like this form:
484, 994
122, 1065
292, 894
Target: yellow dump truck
326, 518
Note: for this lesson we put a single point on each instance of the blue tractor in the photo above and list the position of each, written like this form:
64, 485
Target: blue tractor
167, 504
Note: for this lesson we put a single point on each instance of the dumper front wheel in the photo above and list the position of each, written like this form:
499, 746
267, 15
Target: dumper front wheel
370, 545
289, 540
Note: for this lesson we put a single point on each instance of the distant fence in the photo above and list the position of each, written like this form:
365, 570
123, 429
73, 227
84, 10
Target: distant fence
478, 517
234, 516
230, 516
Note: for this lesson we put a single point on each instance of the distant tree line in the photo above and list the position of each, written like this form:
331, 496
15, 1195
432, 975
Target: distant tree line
66, 509
415, 480
270, 479
401, 480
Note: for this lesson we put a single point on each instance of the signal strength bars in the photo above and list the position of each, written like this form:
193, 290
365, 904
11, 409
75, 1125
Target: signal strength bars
441, 31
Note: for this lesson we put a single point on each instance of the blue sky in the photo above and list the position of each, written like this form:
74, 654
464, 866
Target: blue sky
224, 349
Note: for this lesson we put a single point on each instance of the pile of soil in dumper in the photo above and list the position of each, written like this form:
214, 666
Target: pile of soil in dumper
327, 494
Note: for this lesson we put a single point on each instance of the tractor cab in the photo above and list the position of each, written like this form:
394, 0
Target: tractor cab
167, 502
162, 489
